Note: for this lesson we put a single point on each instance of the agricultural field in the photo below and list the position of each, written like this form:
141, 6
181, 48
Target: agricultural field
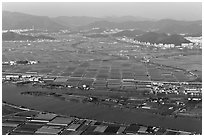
189, 62
98, 58
104, 64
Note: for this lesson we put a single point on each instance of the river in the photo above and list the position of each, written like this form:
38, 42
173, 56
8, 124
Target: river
11, 94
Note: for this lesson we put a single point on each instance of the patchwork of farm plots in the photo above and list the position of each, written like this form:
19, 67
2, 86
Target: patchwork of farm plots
104, 61
190, 62
114, 74
103, 65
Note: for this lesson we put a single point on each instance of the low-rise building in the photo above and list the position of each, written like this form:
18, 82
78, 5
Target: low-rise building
61, 121
10, 77
73, 127
100, 128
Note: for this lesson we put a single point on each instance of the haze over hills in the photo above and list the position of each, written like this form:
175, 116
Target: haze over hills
166, 26
14, 20
64, 21
76, 21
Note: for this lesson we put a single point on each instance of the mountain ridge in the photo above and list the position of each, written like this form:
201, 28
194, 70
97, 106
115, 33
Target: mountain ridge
16, 20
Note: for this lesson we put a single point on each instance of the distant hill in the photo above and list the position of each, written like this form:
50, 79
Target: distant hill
74, 21
77, 21
11, 36
35, 31
194, 35
154, 37
128, 33
44, 37
175, 26
97, 35
15, 20
125, 19
100, 24
95, 30
162, 26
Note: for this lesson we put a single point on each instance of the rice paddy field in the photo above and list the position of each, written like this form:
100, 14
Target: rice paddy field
191, 62
97, 58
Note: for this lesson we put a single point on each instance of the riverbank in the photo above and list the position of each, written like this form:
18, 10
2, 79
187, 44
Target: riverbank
12, 94
27, 121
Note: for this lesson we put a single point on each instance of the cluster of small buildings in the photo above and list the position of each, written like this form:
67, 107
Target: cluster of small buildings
20, 62
196, 40
17, 30
192, 89
192, 45
111, 31
188, 91
22, 78
36, 41
40, 123
180, 95
54, 81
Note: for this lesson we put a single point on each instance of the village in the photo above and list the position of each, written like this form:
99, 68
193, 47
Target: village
196, 43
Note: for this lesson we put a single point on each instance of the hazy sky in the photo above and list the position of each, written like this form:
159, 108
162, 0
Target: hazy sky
156, 10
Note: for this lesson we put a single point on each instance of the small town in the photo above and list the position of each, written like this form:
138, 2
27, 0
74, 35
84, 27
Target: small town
196, 43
